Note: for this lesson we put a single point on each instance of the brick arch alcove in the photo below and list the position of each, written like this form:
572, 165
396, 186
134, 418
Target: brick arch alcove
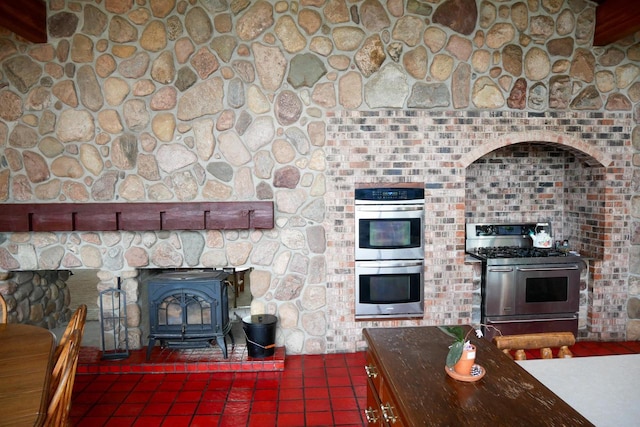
568, 183
591, 154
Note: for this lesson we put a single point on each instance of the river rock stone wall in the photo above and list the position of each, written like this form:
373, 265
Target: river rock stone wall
176, 100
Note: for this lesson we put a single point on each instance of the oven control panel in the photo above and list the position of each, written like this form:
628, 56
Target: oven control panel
502, 230
389, 194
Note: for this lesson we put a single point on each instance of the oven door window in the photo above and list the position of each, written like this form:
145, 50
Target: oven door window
390, 233
389, 288
551, 289
547, 290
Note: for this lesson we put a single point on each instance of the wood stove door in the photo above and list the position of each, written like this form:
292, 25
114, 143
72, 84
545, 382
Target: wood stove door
188, 314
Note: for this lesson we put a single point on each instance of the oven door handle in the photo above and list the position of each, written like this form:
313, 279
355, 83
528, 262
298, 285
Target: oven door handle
389, 208
563, 268
389, 264
546, 319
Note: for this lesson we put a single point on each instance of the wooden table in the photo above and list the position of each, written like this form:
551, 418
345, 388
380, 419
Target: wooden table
406, 374
26, 361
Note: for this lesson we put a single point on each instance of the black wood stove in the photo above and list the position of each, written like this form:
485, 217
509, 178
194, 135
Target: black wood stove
189, 310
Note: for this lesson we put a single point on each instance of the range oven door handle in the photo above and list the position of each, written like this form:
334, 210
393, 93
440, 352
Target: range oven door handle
547, 319
564, 267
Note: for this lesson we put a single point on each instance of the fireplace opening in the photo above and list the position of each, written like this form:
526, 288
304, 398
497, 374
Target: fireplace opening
83, 286
83, 289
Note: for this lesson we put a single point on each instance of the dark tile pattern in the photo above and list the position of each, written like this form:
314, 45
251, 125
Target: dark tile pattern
311, 390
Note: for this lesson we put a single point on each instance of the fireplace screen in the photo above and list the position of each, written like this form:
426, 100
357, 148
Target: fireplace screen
189, 310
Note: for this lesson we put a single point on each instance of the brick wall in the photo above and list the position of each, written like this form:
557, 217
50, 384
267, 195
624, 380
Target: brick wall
475, 167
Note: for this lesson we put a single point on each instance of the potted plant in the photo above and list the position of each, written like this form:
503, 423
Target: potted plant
462, 353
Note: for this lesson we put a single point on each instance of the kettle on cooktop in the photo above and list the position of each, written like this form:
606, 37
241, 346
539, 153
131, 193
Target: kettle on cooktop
541, 235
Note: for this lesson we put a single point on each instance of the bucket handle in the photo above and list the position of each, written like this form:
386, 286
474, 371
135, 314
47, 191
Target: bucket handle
255, 343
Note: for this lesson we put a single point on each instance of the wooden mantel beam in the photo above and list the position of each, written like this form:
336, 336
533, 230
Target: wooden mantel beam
52, 217
26, 18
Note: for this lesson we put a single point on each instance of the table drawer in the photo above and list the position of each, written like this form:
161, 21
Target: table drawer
372, 371
372, 413
382, 408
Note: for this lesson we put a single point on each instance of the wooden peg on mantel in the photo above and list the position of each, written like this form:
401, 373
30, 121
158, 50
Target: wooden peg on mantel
543, 341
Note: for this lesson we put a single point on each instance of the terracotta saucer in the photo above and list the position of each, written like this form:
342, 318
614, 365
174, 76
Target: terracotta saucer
466, 378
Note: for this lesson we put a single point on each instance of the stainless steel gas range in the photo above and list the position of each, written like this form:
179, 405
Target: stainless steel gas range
524, 289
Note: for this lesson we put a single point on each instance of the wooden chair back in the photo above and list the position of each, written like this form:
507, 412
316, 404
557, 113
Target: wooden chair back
77, 322
543, 341
62, 380
64, 370
3, 306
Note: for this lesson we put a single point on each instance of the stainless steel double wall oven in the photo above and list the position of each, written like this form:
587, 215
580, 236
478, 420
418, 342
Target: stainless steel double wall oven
389, 252
524, 289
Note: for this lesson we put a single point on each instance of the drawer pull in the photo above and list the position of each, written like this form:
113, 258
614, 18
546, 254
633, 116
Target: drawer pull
387, 413
372, 415
371, 371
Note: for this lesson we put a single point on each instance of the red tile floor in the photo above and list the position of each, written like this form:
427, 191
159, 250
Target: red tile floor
184, 388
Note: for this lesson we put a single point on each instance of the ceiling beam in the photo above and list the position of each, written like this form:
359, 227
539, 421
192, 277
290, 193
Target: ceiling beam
26, 18
615, 20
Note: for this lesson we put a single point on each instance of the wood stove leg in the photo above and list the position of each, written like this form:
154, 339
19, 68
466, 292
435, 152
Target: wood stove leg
152, 343
222, 344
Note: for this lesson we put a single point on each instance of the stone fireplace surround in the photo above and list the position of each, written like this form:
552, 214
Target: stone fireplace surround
451, 153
